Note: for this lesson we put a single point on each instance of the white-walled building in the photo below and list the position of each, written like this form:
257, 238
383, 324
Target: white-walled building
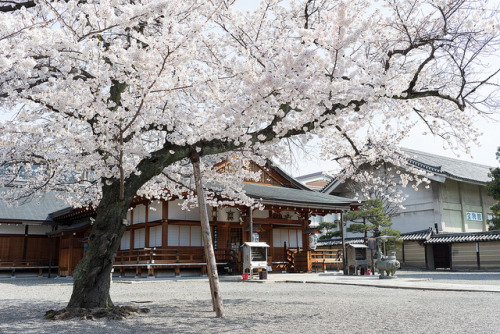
455, 201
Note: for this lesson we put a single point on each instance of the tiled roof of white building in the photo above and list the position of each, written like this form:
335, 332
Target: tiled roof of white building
449, 167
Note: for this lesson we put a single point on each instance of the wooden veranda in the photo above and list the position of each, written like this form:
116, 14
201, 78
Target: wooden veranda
229, 260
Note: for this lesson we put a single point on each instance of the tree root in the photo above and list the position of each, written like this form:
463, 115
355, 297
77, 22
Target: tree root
112, 313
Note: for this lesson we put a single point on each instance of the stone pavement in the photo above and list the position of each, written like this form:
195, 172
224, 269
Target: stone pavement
416, 280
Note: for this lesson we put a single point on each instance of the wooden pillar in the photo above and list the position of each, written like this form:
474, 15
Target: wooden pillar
51, 246
305, 237
146, 226
25, 244
146, 236
164, 228
271, 244
70, 257
246, 223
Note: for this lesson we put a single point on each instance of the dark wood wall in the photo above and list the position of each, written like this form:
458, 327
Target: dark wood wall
33, 247
70, 253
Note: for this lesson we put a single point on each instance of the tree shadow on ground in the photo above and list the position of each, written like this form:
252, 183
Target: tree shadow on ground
176, 316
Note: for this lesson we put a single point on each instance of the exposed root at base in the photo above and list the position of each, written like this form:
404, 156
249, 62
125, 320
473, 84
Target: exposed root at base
112, 313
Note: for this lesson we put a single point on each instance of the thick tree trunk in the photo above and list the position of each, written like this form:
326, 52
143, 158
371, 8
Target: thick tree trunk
213, 276
92, 274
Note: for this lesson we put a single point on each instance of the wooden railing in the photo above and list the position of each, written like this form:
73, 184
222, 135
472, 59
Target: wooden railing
300, 260
155, 258
16, 264
322, 258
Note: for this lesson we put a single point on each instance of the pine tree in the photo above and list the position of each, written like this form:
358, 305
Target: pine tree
329, 229
370, 218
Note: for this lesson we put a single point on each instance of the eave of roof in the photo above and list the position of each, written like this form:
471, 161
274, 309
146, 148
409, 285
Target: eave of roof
449, 168
317, 174
417, 235
72, 228
443, 238
282, 173
294, 197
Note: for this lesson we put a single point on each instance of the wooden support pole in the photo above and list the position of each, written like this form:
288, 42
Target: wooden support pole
213, 276
344, 266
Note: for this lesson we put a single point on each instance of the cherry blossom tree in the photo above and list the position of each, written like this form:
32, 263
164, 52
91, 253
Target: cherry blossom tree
113, 98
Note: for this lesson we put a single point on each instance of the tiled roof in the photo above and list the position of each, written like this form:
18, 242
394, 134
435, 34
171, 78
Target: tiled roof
455, 168
428, 237
417, 235
338, 241
447, 167
464, 237
317, 184
289, 196
294, 182
36, 210
317, 174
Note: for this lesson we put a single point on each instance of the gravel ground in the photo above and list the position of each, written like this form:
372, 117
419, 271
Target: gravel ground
184, 306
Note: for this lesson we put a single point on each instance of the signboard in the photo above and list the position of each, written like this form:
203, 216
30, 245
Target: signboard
475, 216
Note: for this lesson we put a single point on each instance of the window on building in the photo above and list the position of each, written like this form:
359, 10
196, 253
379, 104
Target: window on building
155, 236
155, 211
184, 236
293, 238
139, 214
139, 238
125, 242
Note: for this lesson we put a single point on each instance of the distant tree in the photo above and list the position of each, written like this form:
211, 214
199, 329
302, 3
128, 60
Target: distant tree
329, 230
495, 220
381, 180
371, 218
493, 188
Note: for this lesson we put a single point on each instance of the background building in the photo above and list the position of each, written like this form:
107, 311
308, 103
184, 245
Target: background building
454, 201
